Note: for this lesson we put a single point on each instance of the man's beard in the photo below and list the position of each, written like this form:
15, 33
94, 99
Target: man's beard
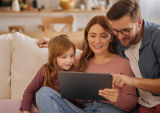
133, 39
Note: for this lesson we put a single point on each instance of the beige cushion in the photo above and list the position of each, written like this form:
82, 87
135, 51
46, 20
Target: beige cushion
14, 106
27, 59
5, 61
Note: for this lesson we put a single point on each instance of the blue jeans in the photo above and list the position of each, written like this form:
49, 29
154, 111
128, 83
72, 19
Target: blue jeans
50, 101
98, 107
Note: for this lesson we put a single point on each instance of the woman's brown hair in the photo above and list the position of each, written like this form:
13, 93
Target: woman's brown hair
56, 47
125, 7
87, 52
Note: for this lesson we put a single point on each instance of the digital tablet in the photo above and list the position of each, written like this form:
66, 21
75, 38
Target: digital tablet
85, 86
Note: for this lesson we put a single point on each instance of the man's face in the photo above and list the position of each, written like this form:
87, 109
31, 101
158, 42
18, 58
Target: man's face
128, 30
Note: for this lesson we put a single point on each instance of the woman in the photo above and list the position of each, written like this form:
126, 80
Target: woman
98, 56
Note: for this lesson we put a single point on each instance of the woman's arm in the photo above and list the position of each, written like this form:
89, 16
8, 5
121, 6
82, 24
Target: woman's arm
124, 97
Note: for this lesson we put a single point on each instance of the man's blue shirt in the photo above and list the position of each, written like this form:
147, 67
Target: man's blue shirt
149, 52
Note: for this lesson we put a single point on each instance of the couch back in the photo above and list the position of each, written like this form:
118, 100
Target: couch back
21, 58
5, 62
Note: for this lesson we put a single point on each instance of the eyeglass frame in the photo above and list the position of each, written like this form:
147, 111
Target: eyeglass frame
122, 31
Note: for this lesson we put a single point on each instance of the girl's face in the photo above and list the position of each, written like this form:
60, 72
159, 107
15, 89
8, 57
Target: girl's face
66, 60
99, 39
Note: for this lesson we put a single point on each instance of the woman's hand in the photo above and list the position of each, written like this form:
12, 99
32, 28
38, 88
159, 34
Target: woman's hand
110, 94
43, 42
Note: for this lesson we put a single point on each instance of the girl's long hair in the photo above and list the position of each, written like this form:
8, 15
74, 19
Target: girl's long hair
56, 47
87, 52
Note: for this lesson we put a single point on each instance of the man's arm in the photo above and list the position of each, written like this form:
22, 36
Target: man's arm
43, 43
150, 85
78, 43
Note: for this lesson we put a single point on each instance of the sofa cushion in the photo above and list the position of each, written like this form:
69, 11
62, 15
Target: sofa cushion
27, 59
14, 106
5, 62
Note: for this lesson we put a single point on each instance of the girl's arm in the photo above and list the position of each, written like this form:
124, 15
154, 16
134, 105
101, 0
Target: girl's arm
29, 94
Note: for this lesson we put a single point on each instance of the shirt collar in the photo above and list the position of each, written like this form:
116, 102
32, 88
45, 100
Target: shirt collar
146, 34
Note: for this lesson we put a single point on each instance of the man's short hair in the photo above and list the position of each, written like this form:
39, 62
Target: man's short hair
125, 7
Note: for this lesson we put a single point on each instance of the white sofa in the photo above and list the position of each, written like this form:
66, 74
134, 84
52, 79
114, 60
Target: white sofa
20, 59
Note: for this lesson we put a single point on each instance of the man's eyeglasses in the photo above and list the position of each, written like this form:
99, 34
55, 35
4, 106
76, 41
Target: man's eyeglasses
123, 32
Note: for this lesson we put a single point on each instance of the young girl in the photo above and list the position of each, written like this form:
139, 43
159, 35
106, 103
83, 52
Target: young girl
61, 57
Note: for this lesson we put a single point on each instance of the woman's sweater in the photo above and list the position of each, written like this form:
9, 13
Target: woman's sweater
127, 98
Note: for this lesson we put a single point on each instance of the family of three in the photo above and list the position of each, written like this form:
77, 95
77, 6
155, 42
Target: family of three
121, 43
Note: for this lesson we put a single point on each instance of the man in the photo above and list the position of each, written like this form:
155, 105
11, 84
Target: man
138, 41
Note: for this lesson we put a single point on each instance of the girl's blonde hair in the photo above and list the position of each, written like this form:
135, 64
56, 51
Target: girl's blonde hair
56, 47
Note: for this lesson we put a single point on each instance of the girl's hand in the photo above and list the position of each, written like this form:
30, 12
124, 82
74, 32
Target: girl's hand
110, 94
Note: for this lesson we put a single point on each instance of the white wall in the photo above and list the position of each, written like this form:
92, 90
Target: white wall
49, 4
150, 10
32, 20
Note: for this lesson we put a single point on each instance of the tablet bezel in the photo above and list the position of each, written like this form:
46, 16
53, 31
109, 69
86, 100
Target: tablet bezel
81, 85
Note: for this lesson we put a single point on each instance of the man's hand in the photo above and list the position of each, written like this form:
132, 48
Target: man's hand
121, 80
110, 94
43, 42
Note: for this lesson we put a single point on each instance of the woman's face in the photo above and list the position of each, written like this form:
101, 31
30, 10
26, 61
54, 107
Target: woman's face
98, 39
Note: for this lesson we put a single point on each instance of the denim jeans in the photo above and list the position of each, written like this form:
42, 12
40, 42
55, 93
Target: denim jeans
98, 107
50, 101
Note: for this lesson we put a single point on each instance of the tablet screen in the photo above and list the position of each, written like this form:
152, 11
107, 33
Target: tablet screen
81, 85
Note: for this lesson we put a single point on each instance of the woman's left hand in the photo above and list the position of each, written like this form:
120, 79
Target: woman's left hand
110, 94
